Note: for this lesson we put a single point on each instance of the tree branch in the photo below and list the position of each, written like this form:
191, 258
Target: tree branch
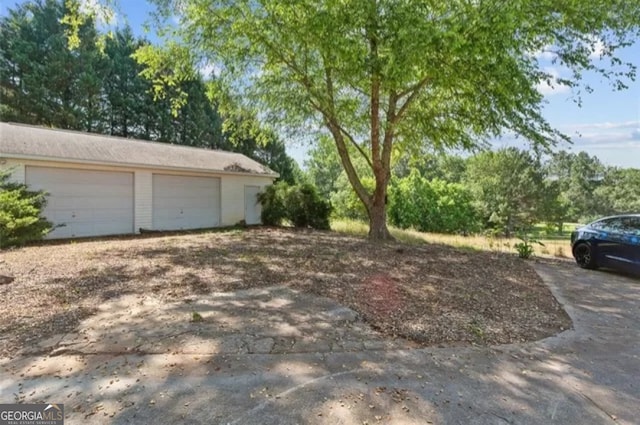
389, 133
343, 152
330, 92
413, 92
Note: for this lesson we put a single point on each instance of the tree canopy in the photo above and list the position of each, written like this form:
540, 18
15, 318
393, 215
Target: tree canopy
62, 72
508, 186
386, 77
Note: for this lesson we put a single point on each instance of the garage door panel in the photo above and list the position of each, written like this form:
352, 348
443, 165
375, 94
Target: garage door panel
199, 203
87, 202
79, 203
110, 214
107, 203
79, 229
70, 191
69, 177
185, 202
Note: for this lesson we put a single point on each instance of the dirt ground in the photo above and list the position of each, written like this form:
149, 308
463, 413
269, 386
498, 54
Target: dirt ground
428, 294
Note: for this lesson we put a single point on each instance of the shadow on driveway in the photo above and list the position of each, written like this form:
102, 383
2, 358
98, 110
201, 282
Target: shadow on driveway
227, 370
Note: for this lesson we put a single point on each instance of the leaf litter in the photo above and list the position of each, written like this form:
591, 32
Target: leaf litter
430, 294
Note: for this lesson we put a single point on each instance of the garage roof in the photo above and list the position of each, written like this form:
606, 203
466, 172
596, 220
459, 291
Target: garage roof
32, 142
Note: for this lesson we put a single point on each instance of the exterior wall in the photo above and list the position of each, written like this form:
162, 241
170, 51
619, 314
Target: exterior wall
231, 188
143, 200
232, 196
16, 168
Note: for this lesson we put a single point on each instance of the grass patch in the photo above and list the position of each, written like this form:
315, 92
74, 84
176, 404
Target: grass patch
553, 246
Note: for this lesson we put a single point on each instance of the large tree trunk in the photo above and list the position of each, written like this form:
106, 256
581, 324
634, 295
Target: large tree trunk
378, 217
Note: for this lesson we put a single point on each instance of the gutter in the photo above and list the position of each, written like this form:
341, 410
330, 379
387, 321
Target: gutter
136, 165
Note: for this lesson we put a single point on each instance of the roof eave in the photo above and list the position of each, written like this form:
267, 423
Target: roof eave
135, 165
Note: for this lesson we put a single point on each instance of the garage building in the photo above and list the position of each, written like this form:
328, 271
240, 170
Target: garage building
104, 185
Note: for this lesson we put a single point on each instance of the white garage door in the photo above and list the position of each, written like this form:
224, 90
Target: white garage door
185, 202
87, 203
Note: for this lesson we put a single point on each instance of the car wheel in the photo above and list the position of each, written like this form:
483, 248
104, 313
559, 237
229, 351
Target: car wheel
584, 255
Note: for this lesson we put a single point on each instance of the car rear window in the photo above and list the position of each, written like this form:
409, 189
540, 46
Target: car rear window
632, 225
609, 224
618, 224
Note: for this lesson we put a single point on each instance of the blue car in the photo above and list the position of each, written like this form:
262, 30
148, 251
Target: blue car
611, 242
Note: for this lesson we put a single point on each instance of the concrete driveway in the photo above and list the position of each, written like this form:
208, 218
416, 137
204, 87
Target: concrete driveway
275, 356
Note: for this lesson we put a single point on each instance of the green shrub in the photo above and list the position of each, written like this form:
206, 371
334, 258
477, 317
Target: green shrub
525, 246
431, 205
305, 208
300, 204
346, 203
273, 204
20, 214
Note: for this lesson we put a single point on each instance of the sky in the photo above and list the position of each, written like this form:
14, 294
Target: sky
606, 125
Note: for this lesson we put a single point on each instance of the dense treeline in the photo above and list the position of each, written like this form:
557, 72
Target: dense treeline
97, 87
505, 191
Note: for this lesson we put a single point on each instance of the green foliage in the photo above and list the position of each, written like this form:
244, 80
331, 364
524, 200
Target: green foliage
299, 204
387, 78
243, 133
431, 205
97, 86
323, 166
20, 214
196, 317
325, 169
345, 201
77, 14
619, 192
43, 82
306, 208
439, 165
576, 177
508, 188
273, 200
525, 246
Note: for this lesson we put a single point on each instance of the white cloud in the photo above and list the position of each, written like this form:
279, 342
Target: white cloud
620, 146
602, 137
207, 70
89, 6
596, 46
602, 126
545, 53
613, 143
551, 87
104, 15
611, 152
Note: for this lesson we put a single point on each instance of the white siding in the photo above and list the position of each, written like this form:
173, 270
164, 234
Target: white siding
232, 196
252, 208
143, 187
16, 168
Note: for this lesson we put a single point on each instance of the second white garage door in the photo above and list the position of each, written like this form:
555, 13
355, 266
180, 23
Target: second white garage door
185, 202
